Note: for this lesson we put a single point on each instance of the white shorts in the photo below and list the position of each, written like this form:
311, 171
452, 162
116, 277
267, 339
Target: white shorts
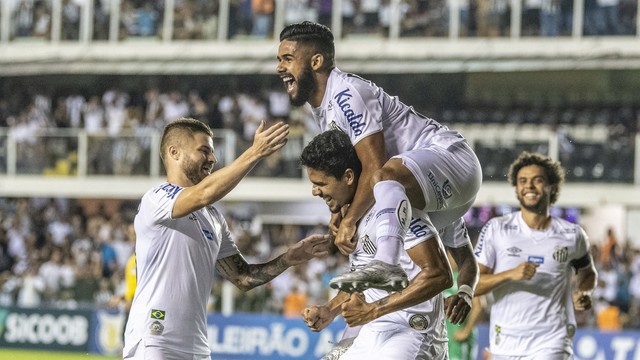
147, 352
399, 343
562, 355
450, 179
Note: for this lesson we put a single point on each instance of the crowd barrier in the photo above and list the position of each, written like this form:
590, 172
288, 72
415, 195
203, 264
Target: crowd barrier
240, 336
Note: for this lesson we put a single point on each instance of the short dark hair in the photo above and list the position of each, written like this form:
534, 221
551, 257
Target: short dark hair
331, 152
178, 128
552, 169
316, 35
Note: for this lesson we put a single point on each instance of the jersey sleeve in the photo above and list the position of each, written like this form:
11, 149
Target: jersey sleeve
582, 243
227, 245
157, 204
358, 109
484, 250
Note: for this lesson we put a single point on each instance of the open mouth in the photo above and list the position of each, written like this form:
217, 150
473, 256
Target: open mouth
289, 83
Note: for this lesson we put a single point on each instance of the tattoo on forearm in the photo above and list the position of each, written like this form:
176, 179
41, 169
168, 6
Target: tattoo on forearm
247, 276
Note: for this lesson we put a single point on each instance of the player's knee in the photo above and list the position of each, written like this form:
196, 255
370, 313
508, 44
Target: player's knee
384, 174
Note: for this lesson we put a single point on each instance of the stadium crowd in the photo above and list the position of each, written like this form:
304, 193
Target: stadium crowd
71, 254
198, 19
119, 123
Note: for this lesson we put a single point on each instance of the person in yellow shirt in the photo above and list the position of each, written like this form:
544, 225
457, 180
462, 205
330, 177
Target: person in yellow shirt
130, 278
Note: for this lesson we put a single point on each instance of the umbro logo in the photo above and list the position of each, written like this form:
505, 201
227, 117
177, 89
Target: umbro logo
514, 251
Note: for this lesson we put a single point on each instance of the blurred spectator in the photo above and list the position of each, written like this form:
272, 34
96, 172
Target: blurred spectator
608, 254
262, 17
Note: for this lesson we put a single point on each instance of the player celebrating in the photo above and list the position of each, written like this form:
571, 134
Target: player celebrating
181, 239
526, 259
408, 160
406, 325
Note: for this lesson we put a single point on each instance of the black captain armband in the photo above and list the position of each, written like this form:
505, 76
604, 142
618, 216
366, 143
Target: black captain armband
582, 262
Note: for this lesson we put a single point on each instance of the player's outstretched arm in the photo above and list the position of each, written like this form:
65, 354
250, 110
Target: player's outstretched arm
458, 306
218, 184
489, 281
247, 276
435, 277
318, 317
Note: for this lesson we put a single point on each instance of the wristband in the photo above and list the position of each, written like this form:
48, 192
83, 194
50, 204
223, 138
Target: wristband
466, 289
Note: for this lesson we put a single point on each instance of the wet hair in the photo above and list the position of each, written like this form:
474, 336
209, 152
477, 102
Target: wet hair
552, 169
332, 153
317, 36
176, 130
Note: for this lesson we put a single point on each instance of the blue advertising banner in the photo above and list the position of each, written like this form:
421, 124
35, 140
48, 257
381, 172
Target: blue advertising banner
261, 336
591, 344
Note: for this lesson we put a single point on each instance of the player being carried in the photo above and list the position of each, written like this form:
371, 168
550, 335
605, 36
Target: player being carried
409, 160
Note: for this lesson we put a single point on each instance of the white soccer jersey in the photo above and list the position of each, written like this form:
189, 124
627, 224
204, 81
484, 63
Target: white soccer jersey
537, 314
360, 108
427, 317
175, 267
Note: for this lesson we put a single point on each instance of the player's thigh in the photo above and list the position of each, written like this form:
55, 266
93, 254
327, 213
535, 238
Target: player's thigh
559, 355
395, 344
449, 178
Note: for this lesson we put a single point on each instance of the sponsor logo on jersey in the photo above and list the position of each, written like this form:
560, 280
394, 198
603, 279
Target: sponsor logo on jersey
208, 234
438, 190
418, 322
447, 190
536, 259
156, 328
480, 243
368, 246
343, 101
170, 190
561, 254
157, 314
514, 251
510, 227
418, 228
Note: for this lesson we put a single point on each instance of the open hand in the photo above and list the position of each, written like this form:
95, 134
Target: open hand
304, 250
267, 141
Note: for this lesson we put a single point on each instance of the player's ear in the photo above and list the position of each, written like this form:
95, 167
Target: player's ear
349, 176
317, 61
173, 151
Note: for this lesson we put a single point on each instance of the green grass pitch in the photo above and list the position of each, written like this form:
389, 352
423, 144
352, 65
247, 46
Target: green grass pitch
16, 354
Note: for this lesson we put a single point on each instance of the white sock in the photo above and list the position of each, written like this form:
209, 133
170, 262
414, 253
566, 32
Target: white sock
392, 219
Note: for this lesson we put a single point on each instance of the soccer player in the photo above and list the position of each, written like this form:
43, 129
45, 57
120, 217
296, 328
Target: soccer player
409, 160
527, 259
181, 239
403, 325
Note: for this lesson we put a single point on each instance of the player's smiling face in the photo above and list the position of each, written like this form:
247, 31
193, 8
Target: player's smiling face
294, 68
533, 189
199, 159
335, 192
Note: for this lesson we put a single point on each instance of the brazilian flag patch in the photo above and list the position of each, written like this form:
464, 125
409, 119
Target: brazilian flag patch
157, 314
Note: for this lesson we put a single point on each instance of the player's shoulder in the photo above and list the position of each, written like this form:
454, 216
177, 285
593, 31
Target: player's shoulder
346, 84
565, 227
506, 221
164, 189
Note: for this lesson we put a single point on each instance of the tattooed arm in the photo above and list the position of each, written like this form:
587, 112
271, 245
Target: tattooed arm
247, 276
